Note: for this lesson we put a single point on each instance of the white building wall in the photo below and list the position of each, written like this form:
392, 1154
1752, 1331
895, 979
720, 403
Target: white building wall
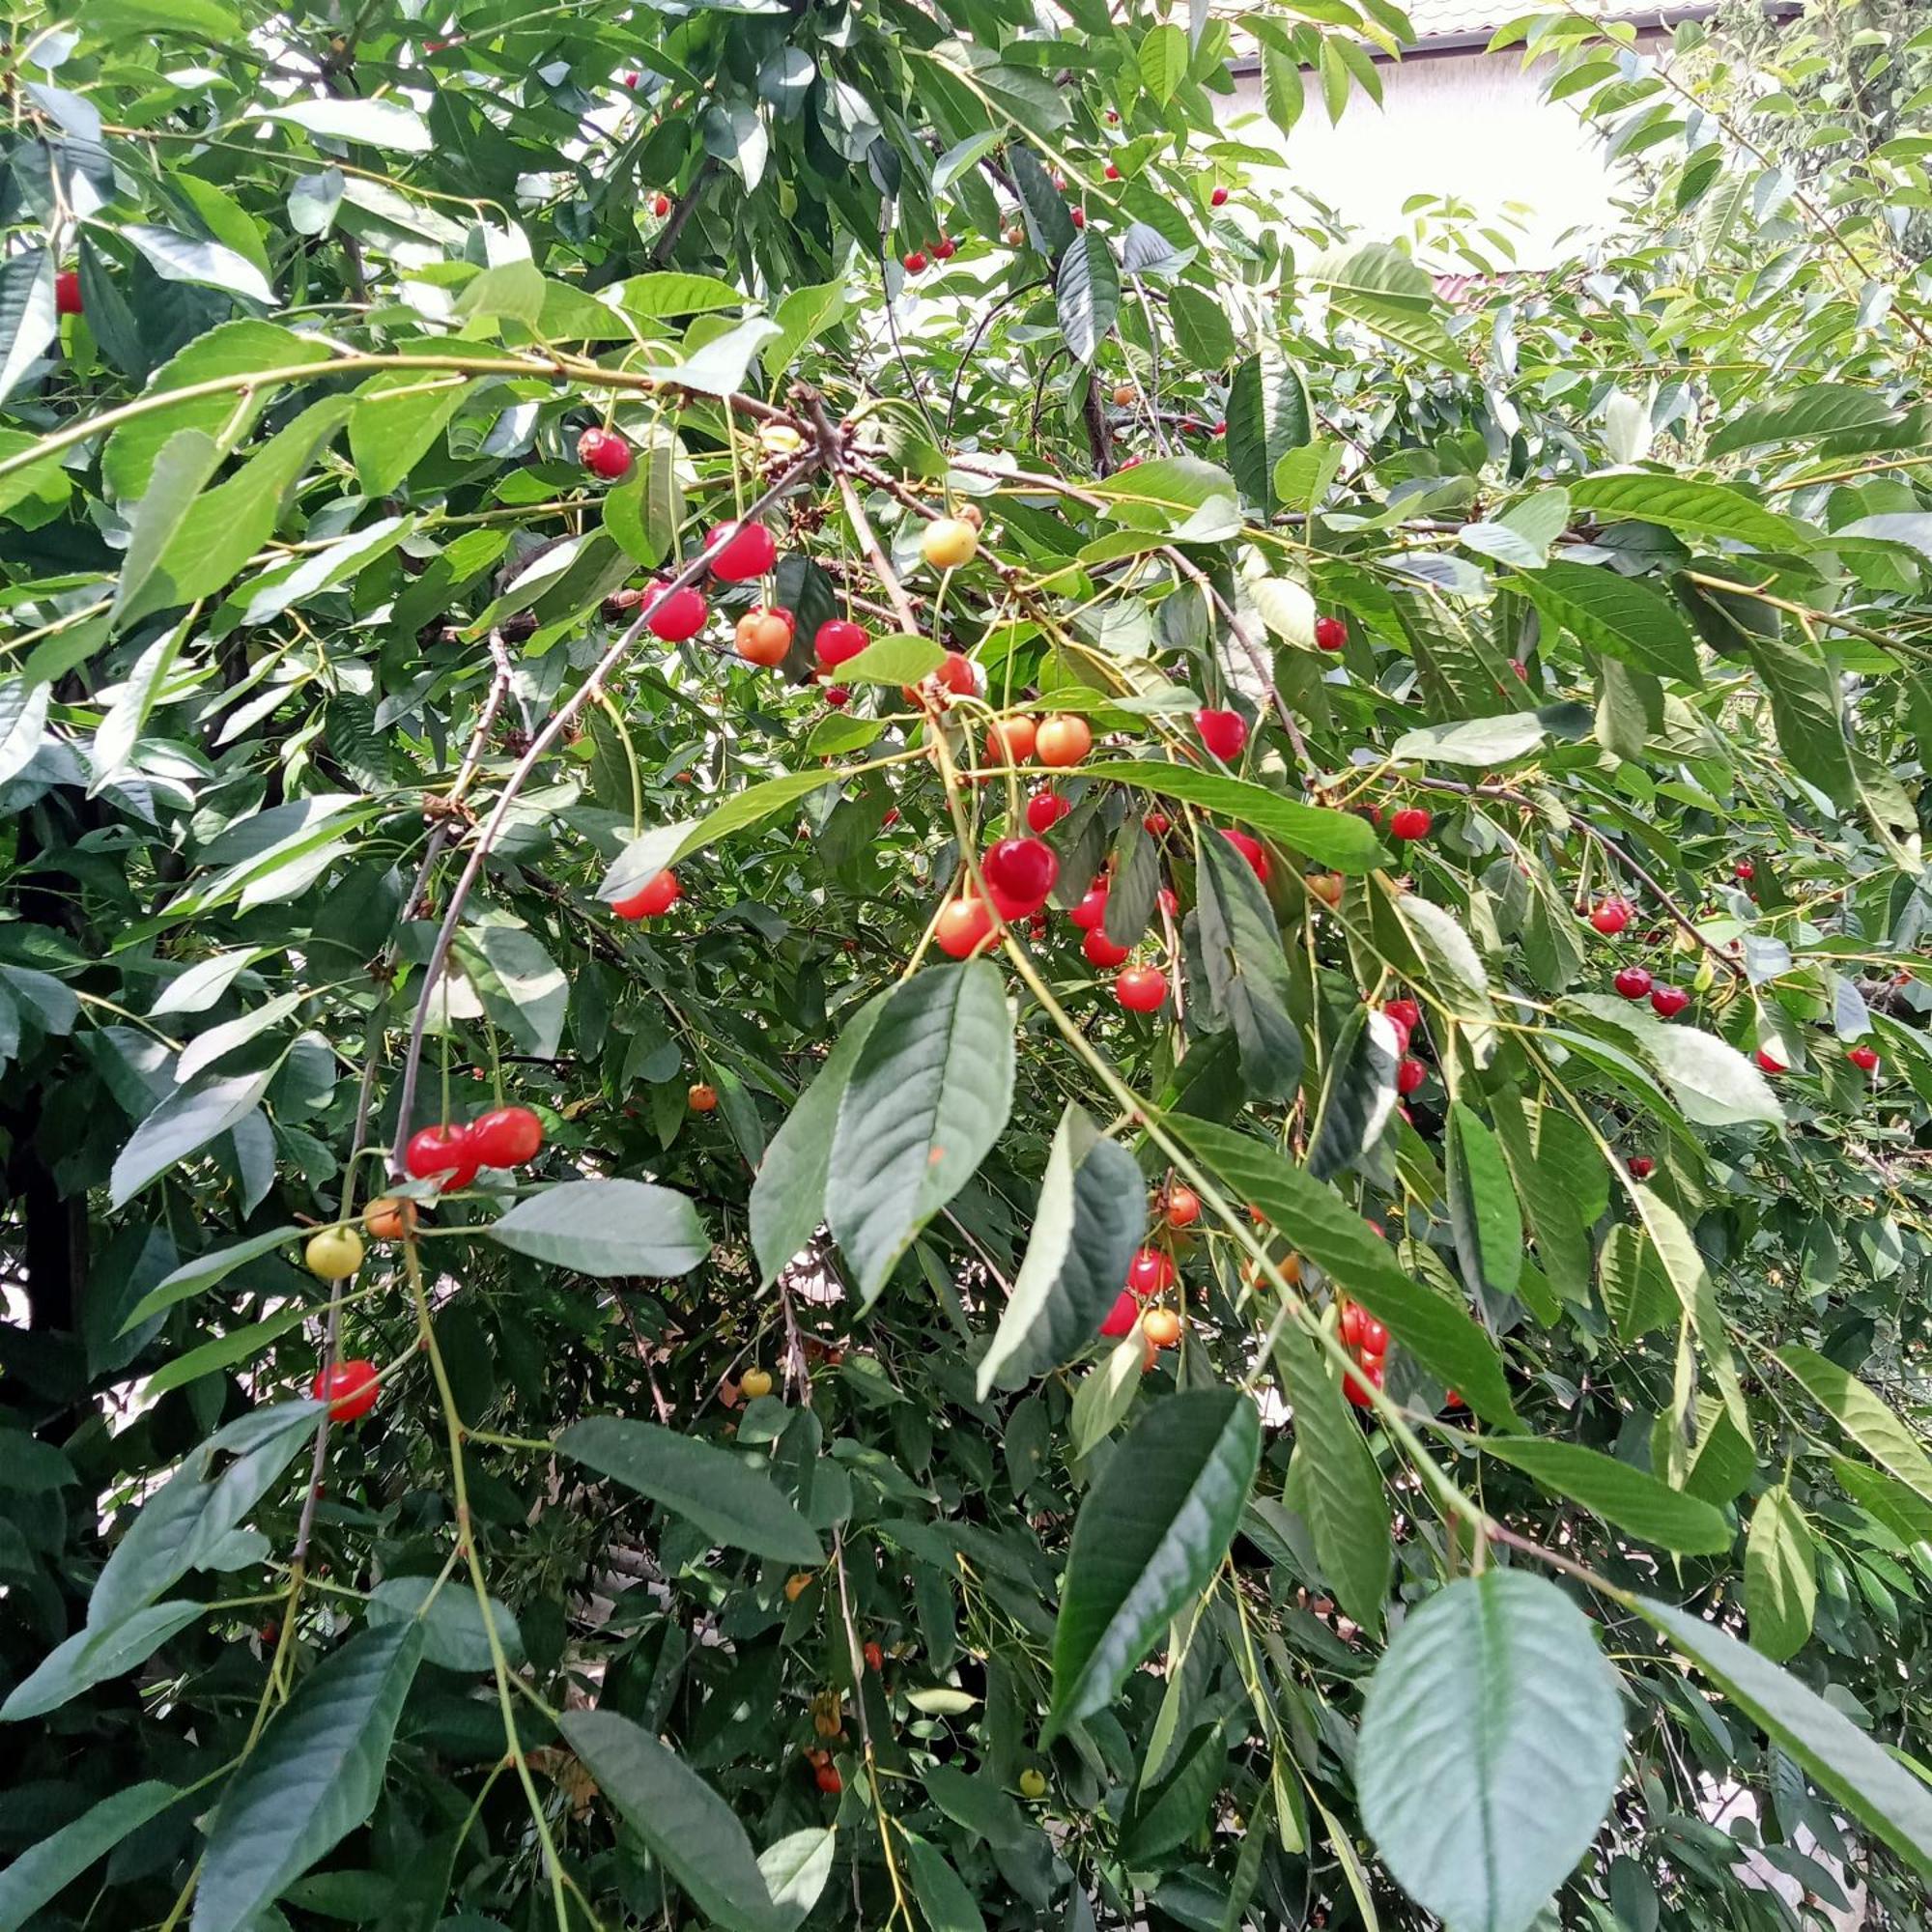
1473, 125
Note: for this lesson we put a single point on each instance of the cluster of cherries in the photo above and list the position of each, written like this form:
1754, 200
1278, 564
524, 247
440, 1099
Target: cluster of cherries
454, 1153
1405, 1016
916, 262
1151, 1275
1367, 1340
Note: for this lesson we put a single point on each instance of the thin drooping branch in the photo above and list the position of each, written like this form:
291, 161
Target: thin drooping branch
559, 722
832, 452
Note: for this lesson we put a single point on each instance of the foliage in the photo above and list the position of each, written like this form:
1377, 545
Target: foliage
745, 1524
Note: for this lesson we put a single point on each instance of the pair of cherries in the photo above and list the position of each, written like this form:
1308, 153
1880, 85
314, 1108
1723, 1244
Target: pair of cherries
453, 1155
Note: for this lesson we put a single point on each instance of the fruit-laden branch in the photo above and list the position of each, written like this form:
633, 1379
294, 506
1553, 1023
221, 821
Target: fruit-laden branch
558, 723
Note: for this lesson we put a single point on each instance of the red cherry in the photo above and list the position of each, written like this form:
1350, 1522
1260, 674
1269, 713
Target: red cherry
66, 291
838, 697
826, 1778
1359, 1380
1405, 1012
875, 1658
1091, 910
441, 1155
1520, 668
966, 926
1158, 823
350, 1389
1410, 1074
657, 895
1410, 822
1743, 869
1080, 218
944, 249
1611, 915
1113, 173
1330, 633
836, 639
1402, 1036
1044, 810
914, 263
1180, 1206
631, 79
1021, 871
1375, 1337
604, 452
956, 674
1097, 949
661, 205
1632, 983
1769, 1063
1664, 1001
676, 616
1121, 1317
1641, 1167
505, 1136
1863, 1058
1218, 199
1354, 1320
1141, 990
1149, 1273
1221, 427
1250, 849
1223, 733
750, 550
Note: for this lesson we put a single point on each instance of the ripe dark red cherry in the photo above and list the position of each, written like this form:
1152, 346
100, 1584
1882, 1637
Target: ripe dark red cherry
1223, 733
1121, 1317
1632, 983
1611, 915
350, 1389
1097, 949
944, 249
1218, 199
1666, 1001
1021, 871
1743, 869
1641, 1167
441, 1155
914, 263
1250, 848
1863, 1058
1044, 810
836, 639
1410, 1074
749, 550
1410, 822
1769, 1063
677, 616
1158, 823
657, 895
605, 454
1330, 633
1405, 1012
1360, 1380
1080, 218
1149, 1273
838, 697
66, 291
1091, 910
505, 1136
1141, 990
659, 205
875, 1658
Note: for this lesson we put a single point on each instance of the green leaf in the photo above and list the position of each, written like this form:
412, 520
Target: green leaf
312, 1780
1382, 289
180, 1526
1806, 711
1337, 840
1248, 971
380, 123
1621, 616
1049, 225
1547, 1194
182, 1126
226, 1350
47, 1868
454, 1635
29, 319
1268, 415
1088, 1220
652, 298
787, 1204
185, 257
1856, 1770
1086, 290
1636, 1290
1619, 1493
523, 989
645, 857
205, 1270
927, 1096
1863, 1415
1342, 1488
1484, 1217
1323, 1227
399, 415
893, 660
1167, 1816
944, 1901
1490, 1744
685, 1823
1105, 1392
725, 1495
1452, 967
1683, 1264
1149, 1537
606, 1228
1283, 95
1820, 410
1697, 509
1780, 1574
91, 1657
1163, 60
1477, 741
181, 470
1201, 327
1358, 1094
1714, 1083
